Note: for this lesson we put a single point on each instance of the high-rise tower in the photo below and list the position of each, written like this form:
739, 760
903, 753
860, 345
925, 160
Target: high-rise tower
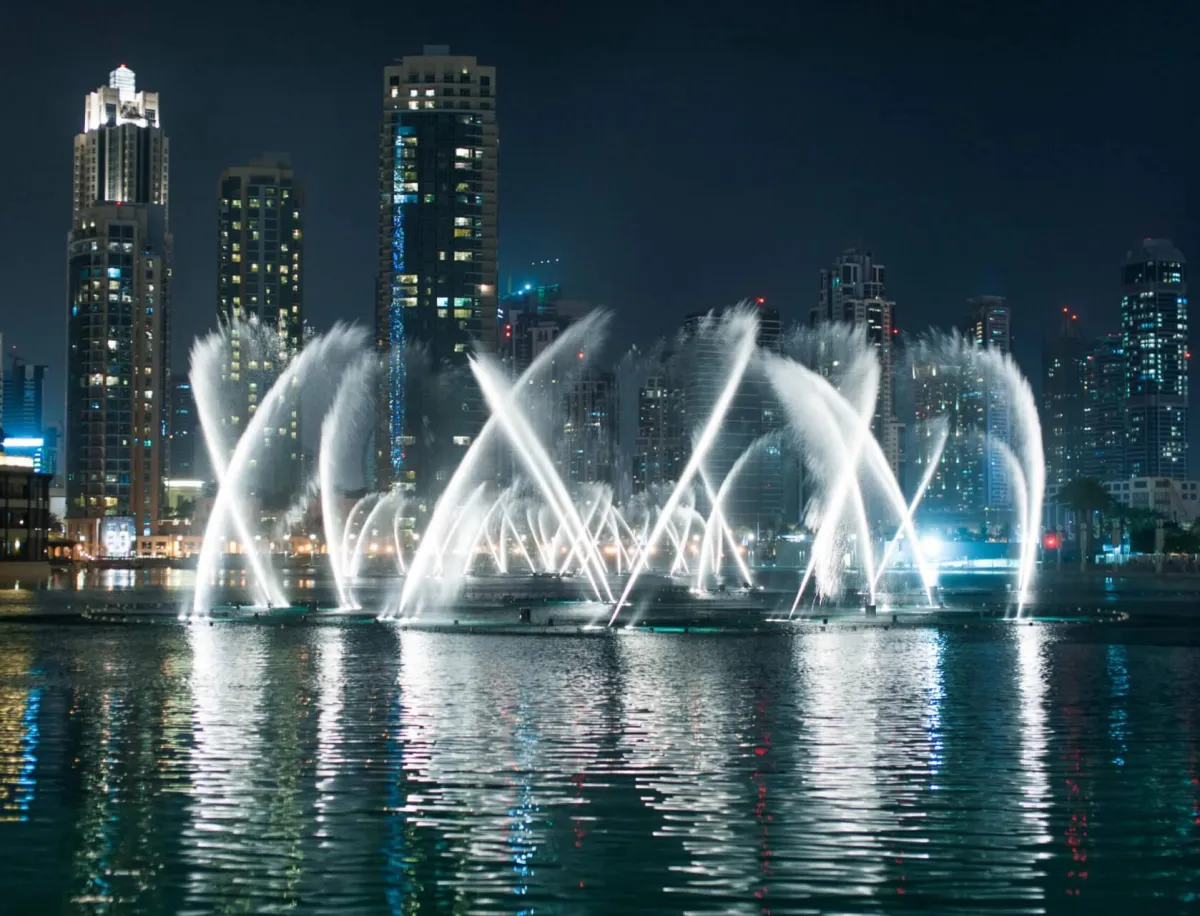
122, 154
260, 249
1154, 330
1104, 416
118, 326
436, 291
1064, 399
852, 291
984, 404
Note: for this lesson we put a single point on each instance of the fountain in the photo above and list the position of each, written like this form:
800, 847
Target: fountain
533, 521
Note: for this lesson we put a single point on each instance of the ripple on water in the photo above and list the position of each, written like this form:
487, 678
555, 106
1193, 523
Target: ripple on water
365, 769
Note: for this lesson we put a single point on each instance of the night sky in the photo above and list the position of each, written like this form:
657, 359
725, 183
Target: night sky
672, 160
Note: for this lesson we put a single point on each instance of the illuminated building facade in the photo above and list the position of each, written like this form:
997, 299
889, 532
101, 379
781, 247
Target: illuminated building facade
24, 511
588, 444
1154, 329
1104, 419
662, 448
436, 289
187, 453
119, 300
23, 421
1064, 398
853, 291
117, 277
260, 263
984, 404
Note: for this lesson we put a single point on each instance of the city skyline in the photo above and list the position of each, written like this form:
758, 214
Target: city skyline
947, 255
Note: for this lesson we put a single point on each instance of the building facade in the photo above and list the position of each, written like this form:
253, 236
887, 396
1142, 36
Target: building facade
1104, 418
662, 446
24, 511
853, 291
587, 447
188, 460
260, 280
438, 233
115, 364
119, 311
1154, 329
1175, 500
23, 421
1064, 399
984, 404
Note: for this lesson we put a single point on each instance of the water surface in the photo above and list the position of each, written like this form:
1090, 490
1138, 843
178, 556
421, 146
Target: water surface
362, 769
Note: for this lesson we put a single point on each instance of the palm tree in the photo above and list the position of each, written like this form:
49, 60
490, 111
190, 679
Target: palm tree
1085, 497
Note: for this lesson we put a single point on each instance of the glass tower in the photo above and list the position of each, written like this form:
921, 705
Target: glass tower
119, 282
1154, 328
436, 289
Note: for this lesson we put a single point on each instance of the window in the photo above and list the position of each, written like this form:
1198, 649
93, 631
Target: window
464, 255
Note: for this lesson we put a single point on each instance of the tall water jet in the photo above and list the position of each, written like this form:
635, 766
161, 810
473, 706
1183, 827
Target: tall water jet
325, 351
836, 437
351, 392
745, 326
1027, 446
451, 498
533, 455
995, 377
207, 359
934, 460
716, 519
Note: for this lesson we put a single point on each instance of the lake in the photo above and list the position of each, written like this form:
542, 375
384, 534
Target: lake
335, 768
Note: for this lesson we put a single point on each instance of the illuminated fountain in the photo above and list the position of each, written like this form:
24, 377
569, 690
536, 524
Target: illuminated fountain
530, 522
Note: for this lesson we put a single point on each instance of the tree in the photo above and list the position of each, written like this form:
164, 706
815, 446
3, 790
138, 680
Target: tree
1085, 497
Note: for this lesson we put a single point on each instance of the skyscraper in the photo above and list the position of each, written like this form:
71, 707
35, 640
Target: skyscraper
587, 446
984, 405
1104, 419
436, 290
1154, 329
23, 420
662, 446
23, 388
259, 279
1064, 390
122, 154
853, 291
188, 458
119, 275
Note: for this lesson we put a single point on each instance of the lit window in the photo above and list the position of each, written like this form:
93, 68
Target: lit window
464, 255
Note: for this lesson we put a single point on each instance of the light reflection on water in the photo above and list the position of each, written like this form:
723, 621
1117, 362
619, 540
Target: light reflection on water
362, 769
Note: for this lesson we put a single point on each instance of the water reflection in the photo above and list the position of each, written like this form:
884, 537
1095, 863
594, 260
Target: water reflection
20, 704
364, 769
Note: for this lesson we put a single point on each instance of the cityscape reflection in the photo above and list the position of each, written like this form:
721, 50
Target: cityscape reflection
222, 766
